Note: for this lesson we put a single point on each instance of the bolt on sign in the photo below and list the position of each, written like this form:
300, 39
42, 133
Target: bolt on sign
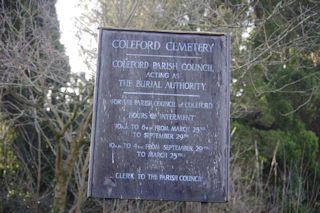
161, 113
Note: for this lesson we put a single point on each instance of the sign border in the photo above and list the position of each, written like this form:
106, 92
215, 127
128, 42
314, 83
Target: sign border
96, 95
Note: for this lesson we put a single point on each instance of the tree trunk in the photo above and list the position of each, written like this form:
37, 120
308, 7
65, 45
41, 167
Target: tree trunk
60, 195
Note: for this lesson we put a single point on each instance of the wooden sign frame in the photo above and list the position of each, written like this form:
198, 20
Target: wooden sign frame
160, 128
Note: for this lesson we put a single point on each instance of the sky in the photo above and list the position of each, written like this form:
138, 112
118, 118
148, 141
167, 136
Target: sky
67, 11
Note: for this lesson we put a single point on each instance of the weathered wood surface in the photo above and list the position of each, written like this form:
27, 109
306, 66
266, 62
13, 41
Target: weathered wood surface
161, 117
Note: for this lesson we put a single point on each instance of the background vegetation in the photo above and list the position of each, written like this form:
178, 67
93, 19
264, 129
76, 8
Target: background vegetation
275, 103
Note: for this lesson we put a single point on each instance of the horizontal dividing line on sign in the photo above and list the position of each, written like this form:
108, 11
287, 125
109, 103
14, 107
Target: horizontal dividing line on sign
161, 94
165, 56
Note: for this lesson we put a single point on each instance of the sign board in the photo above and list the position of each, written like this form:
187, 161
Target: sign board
161, 116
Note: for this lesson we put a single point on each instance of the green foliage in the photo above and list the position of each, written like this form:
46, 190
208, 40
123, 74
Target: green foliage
282, 94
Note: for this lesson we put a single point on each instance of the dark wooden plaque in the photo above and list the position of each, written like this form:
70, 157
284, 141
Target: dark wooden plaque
161, 116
